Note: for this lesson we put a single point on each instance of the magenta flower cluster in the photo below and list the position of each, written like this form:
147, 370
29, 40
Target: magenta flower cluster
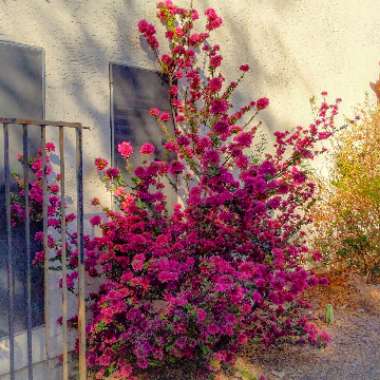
226, 266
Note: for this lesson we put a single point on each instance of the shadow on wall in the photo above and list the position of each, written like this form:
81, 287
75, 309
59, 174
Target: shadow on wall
261, 76
80, 39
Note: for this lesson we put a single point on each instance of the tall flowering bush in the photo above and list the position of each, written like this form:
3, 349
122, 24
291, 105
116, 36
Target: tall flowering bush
226, 266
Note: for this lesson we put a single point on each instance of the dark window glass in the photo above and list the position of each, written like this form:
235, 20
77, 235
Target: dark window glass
22, 96
134, 92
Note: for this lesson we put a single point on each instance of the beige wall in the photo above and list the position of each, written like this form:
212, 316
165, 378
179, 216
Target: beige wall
296, 49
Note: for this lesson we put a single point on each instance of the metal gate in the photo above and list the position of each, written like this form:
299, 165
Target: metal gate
26, 125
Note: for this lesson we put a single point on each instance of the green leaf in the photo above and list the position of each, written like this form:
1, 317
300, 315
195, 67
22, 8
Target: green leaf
101, 326
329, 314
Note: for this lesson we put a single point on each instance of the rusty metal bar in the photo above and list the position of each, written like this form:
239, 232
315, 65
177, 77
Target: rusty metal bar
17, 121
81, 271
46, 250
10, 269
29, 325
65, 362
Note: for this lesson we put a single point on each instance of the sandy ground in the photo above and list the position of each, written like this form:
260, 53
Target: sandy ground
353, 354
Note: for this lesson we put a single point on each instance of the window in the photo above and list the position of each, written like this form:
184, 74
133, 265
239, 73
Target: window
133, 92
21, 95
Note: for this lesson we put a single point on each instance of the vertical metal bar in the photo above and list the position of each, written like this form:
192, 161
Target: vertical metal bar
65, 363
46, 251
81, 271
10, 273
25, 144
112, 125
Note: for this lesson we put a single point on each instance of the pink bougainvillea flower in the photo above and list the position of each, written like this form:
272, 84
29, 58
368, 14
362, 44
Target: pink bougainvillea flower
179, 32
101, 163
95, 201
138, 262
164, 116
143, 26
39, 257
298, 176
54, 188
119, 191
95, 220
125, 149
215, 84
147, 148
194, 14
262, 103
180, 118
155, 112
70, 217
166, 276
195, 39
171, 146
148, 31
50, 147
216, 61
112, 173
244, 139
244, 68
176, 167
213, 20
221, 126
219, 106
173, 90
128, 201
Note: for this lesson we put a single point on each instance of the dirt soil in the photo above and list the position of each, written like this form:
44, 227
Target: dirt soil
353, 354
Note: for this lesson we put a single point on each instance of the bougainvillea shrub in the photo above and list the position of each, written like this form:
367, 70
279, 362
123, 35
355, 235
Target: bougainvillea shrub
225, 266
347, 217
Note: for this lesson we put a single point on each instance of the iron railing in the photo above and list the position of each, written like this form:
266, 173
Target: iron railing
8, 123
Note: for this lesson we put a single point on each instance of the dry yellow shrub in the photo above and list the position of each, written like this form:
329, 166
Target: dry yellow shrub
347, 218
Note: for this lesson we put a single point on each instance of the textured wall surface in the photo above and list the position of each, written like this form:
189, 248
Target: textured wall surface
296, 49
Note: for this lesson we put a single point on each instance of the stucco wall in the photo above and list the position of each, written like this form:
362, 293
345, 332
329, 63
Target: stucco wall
296, 48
